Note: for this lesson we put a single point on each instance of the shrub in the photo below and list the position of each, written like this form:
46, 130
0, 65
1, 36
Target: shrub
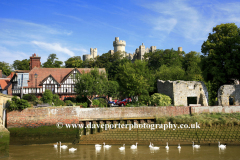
68, 103
95, 103
29, 97
160, 99
85, 104
47, 97
102, 102
59, 103
17, 104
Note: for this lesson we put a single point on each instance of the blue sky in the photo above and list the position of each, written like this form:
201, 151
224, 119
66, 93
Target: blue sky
71, 28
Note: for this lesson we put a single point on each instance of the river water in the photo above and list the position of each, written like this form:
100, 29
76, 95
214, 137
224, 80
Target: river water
143, 152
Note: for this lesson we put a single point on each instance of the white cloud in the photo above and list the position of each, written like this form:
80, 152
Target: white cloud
191, 20
54, 47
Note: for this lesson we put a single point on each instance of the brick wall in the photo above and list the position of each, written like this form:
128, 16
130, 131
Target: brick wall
32, 117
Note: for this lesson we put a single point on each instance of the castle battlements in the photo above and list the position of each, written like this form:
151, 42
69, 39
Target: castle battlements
119, 45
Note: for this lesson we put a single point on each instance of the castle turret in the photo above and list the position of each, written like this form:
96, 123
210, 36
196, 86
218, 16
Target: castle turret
119, 45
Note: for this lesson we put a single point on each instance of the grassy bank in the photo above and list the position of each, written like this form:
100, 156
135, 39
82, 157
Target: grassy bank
4, 143
205, 119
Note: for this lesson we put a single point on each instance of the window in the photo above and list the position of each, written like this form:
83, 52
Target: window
51, 87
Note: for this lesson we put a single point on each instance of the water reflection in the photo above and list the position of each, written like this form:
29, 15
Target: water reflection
167, 150
134, 151
195, 150
221, 150
179, 150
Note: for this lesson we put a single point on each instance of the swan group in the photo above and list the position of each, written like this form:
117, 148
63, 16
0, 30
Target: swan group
195, 146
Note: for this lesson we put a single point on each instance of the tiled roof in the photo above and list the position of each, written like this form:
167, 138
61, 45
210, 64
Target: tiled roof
4, 83
57, 73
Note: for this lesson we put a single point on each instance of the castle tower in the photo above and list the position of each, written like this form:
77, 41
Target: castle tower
141, 51
35, 61
153, 48
93, 52
180, 49
119, 45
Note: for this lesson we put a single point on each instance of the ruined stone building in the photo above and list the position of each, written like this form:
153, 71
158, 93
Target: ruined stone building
229, 95
93, 54
184, 92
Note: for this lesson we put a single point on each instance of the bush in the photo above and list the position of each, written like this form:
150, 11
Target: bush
16, 104
85, 104
144, 99
29, 97
102, 102
47, 97
81, 99
72, 99
59, 103
95, 103
160, 99
68, 103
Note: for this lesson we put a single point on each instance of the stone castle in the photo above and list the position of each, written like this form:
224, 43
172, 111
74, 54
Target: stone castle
119, 45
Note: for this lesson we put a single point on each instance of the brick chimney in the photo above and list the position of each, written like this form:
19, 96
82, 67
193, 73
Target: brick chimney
35, 61
0, 73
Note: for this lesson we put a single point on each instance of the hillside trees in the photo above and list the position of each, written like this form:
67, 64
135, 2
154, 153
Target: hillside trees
73, 62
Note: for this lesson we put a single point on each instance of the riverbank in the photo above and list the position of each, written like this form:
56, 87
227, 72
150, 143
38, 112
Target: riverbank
4, 142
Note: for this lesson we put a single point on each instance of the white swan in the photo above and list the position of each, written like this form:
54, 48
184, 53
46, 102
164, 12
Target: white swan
98, 145
179, 147
195, 146
72, 149
98, 148
153, 147
55, 145
63, 146
106, 146
150, 145
167, 146
221, 145
122, 148
134, 146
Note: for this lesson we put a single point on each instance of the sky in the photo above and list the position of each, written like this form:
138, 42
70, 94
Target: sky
70, 28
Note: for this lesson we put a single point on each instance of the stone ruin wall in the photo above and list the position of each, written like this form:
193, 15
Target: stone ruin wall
179, 90
226, 91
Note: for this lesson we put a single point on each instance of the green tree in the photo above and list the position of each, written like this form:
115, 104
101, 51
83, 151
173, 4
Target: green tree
21, 65
17, 103
92, 83
192, 66
47, 97
135, 78
73, 62
113, 89
168, 57
221, 60
170, 73
6, 68
52, 62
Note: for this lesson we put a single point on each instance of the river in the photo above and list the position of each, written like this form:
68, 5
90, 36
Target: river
143, 152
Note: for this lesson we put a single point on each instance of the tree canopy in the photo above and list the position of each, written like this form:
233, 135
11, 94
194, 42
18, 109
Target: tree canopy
73, 62
221, 60
6, 68
92, 83
52, 62
21, 65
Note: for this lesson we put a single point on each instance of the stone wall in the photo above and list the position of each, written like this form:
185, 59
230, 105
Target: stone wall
229, 91
3, 101
180, 90
32, 117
